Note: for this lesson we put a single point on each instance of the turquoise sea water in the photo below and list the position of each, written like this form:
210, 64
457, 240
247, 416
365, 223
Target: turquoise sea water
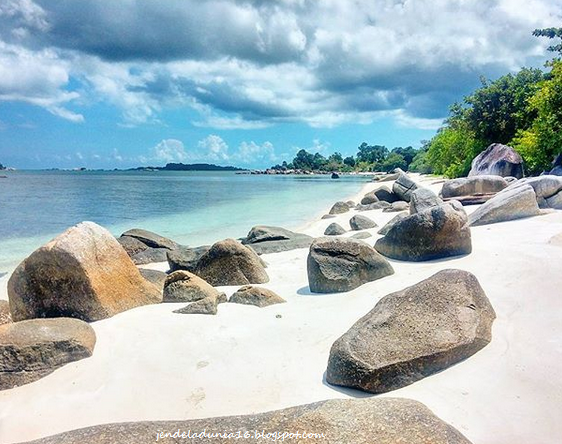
192, 208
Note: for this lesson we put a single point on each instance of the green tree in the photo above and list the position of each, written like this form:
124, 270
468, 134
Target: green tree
420, 163
407, 153
371, 153
303, 160
349, 161
551, 33
394, 160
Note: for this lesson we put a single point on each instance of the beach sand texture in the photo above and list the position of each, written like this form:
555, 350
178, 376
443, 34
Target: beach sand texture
152, 364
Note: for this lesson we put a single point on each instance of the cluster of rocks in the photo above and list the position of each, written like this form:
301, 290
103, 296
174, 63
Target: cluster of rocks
145, 247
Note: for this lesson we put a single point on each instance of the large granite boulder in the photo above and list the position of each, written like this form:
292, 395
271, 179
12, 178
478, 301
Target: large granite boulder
413, 333
545, 187
422, 199
403, 187
5, 315
228, 262
83, 273
384, 194
336, 421
258, 296
132, 245
30, 350
151, 239
337, 265
339, 208
185, 258
510, 204
265, 239
369, 198
334, 229
183, 286
473, 186
437, 232
397, 206
359, 222
150, 256
384, 230
498, 160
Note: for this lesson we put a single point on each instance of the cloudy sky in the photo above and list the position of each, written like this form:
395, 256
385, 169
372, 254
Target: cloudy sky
105, 83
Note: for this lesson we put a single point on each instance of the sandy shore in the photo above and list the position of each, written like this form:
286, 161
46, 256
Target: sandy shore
152, 364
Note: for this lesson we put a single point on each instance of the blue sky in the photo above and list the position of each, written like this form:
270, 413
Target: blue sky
106, 84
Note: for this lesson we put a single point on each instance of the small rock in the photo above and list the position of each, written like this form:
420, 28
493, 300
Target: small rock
362, 235
397, 206
266, 239
185, 258
258, 296
384, 194
359, 222
369, 198
422, 199
334, 229
183, 286
339, 208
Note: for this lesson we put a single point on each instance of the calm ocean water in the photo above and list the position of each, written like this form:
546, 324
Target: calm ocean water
192, 208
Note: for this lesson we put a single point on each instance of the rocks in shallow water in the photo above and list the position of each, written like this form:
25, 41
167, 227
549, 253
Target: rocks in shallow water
510, 204
30, 350
499, 160
413, 333
5, 315
258, 296
369, 198
183, 286
337, 421
359, 222
403, 187
228, 262
185, 258
473, 186
339, 208
422, 199
83, 273
334, 229
384, 194
397, 206
151, 239
362, 235
337, 265
208, 305
384, 230
434, 233
150, 256
154, 276
265, 239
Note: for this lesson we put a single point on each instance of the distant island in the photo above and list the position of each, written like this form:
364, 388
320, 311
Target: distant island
188, 167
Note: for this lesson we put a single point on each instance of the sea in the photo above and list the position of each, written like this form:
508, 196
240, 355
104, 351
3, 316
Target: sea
192, 208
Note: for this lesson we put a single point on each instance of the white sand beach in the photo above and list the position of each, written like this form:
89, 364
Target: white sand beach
150, 363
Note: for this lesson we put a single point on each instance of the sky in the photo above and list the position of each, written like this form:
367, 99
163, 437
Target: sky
119, 84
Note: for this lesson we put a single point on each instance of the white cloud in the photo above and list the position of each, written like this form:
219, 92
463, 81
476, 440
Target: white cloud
252, 153
169, 150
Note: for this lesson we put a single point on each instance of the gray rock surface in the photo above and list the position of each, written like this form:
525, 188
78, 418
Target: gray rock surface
385, 194
397, 206
207, 306
5, 315
423, 199
336, 421
384, 230
369, 198
183, 286
359, 222
151, 239
154, 276
150, 256
413, 333
132, 245
362, 235
545, 187
403, 187
30, 350
258, 296
338, 265
82, 273
473, 186
266, 239
185, 258
499, 160
334, 229
374, 206
228, 262
510, 204
434, 233
339, 208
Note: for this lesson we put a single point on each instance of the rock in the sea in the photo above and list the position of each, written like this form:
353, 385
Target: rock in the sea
374, 206
30, 350
208, 305
359, 222
336, 421
434, 233
369, 198
384, 230
397, 206
132, 245
384, 194
83, 273
5, 315
183, 286
403, 187
337, 265
150, 256
498, 160
335, 176
258, 296
339, 208
154, 276
473, 186
362, 235
334, 229
185, 258
413, 333
228, 262
151, 239
265, 239
510, 204
422, 199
